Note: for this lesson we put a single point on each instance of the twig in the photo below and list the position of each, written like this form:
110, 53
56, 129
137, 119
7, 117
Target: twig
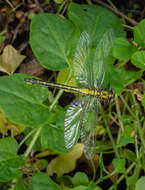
112, 5
133, 22
11, 5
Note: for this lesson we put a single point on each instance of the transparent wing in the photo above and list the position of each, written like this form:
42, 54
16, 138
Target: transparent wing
89, 64
100, 57
72, 123
81, 58
81, 118
88, 128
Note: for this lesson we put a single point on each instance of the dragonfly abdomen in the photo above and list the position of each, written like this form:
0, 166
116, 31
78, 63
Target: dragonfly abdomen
53, 85
102, 94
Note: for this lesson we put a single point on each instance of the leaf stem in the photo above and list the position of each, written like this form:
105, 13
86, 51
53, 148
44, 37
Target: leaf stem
123, 100
110, 135
105, 177
119, 113
94, 170
26, 137
128, 27
32, 142
123, 176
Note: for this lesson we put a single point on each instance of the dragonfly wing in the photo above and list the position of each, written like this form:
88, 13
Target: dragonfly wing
88, 128
89, 65
100, 58
72, 123
80, 69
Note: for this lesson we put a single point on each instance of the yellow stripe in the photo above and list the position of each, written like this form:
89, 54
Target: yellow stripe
90, 92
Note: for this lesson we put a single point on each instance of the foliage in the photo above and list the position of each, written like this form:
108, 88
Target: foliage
53, 40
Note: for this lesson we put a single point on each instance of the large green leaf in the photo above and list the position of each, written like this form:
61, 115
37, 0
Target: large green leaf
53, 132
23, 103
95, 20
120, 78
53, 40
123, 49
140, 185
138, 59
41, 181
139, 34
10, 164
9, 144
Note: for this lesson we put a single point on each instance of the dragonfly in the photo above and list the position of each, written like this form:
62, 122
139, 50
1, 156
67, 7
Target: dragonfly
89, 69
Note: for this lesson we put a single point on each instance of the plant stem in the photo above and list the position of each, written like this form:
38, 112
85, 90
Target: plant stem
127, 106
123, 176
119, 113
112, 140
105, 177
26, 137
32, 142
128, 27
110, 135
94, 170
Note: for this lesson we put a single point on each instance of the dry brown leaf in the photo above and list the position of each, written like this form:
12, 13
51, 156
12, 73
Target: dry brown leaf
10, 60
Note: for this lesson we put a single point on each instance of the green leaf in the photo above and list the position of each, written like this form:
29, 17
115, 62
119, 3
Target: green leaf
123, 49
124, 140
140, 185
53, 40
117, 85
9, 144
23, 186
92, 17
23, 103
128, 154
2, 38
124, 78
9, 161
119, 165
131, 181
62, 77
41, 181
138, 59
53, 131
126, 135
139, 33
80, 179
52, 137
10, 164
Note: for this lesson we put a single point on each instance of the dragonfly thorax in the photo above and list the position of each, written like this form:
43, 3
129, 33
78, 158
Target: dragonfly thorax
99, 93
